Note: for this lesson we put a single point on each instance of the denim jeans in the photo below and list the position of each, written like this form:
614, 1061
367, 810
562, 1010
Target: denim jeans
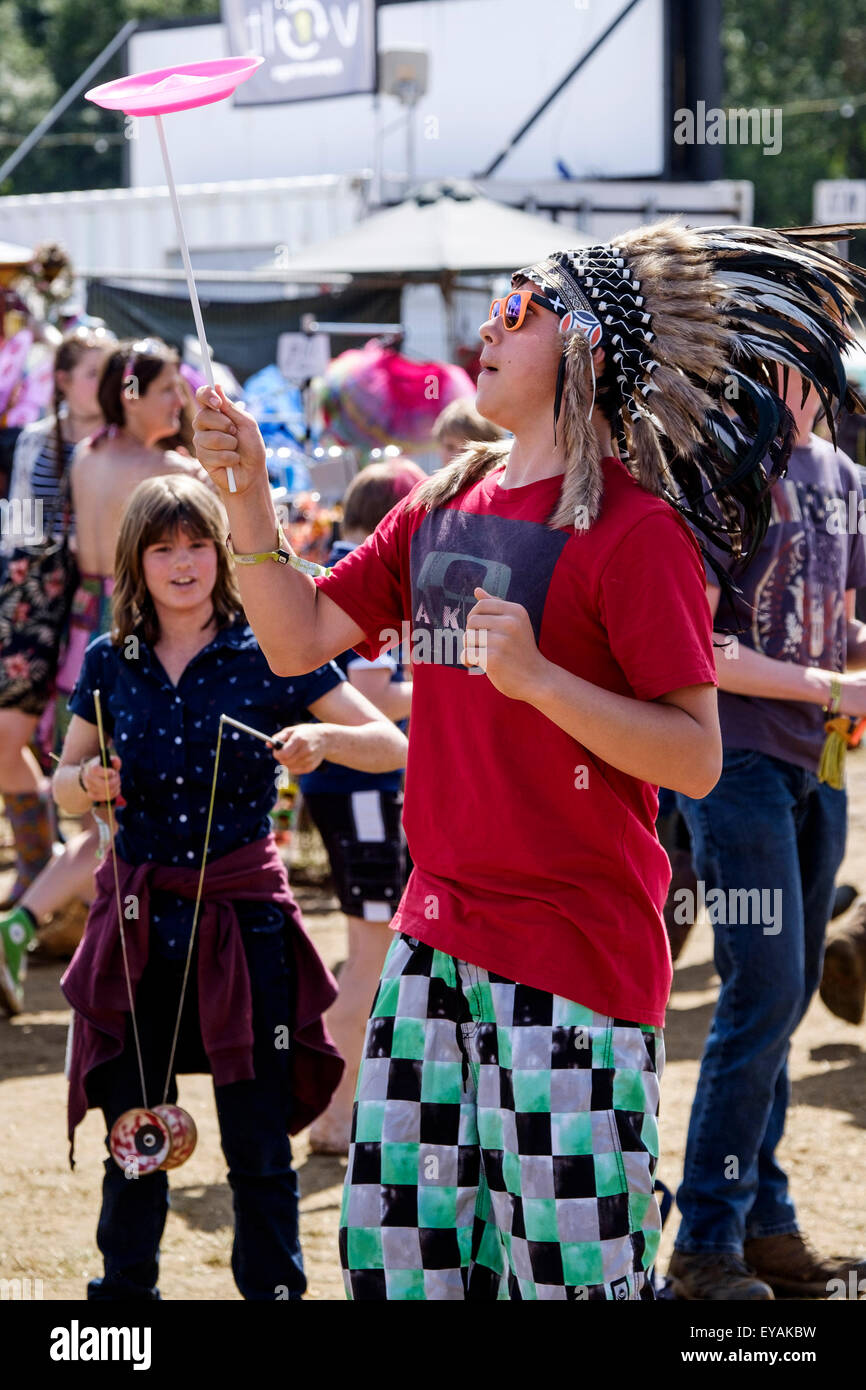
253, 1119
767, 825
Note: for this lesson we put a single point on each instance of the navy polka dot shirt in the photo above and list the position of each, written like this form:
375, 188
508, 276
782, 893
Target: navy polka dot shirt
165, 736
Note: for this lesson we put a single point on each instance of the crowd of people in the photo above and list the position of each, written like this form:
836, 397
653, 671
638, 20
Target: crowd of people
552, 611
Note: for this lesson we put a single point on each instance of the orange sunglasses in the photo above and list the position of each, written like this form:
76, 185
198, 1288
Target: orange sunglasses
512, 308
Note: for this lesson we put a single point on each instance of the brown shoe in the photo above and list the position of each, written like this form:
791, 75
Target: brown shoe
716, 1275
794, 1270
844, 897
843, 982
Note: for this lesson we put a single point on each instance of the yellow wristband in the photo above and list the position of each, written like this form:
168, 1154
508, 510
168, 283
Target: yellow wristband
835, 696
280, 556
258, 556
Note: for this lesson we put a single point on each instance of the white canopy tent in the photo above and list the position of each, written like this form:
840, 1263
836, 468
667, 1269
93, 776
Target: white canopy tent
439, 231
438, 234
14, 255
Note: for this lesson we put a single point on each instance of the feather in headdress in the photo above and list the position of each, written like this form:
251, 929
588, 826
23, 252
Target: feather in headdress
694, 323
693, 320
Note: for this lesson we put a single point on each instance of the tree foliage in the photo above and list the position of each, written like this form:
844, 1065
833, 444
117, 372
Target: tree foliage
45, 45
791, 54
777, 53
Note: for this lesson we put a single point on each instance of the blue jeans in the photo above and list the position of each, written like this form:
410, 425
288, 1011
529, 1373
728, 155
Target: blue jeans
253, 1119
772, 826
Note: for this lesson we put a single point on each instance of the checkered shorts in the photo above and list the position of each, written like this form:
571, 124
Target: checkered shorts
504, 1142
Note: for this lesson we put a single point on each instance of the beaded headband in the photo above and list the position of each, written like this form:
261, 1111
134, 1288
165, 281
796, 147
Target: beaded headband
696, 406
597, 285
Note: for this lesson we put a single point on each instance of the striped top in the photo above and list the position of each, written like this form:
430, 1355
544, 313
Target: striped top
45, 481
33, 487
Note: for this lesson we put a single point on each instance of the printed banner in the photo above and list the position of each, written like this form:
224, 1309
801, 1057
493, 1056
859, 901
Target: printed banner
312, 48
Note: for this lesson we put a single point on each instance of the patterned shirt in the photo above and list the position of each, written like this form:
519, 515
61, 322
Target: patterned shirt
33, 508
166, 735
792, 604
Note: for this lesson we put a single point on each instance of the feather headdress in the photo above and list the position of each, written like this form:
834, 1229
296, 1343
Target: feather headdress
692, 321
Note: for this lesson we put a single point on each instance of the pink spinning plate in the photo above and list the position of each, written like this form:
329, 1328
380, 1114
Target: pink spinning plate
178, 89
174, 89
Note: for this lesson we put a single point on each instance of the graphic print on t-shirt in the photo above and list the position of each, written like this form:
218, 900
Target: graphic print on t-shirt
799, 605
454, 552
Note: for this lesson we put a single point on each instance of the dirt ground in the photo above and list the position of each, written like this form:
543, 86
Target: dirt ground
48, 1214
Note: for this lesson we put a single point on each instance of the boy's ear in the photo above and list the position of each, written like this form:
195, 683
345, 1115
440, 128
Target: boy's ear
598, 360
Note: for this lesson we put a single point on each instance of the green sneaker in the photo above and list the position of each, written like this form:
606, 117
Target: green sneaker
16, 933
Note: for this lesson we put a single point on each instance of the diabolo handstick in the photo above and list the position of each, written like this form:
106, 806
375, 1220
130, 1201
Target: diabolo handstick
256, 733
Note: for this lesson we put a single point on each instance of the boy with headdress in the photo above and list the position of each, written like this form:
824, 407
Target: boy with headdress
504, 1137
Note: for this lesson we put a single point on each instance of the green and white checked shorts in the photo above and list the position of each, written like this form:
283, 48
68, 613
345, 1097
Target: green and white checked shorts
504, 1142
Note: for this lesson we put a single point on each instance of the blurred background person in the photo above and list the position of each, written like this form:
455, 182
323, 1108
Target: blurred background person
32, 622
181, 442
141, 401
459, 425
775, 823
358, 815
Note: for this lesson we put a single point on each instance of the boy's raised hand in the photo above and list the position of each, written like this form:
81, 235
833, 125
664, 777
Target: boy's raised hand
226, 436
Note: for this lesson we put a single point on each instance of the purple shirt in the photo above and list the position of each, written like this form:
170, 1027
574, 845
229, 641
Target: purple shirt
792, 606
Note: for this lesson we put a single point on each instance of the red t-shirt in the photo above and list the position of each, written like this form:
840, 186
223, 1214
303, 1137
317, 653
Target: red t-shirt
533, 858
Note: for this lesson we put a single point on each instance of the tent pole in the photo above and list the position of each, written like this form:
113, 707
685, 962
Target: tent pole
377, 150
551, 96
448, 296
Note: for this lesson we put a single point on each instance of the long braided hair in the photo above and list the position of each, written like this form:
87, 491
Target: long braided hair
67, 357
692, 321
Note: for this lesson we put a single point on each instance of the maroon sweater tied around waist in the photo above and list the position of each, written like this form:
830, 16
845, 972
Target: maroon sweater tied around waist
95, 983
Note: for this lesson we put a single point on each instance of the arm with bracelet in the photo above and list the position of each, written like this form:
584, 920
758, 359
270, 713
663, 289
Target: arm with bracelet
838, 728
841, 695
80, 781
281, 554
